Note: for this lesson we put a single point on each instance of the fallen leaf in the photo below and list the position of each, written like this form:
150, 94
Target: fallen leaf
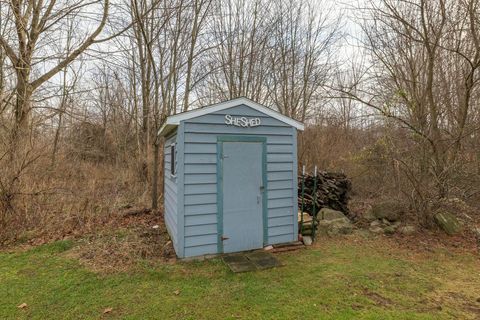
177, 292
22, 306
107, 310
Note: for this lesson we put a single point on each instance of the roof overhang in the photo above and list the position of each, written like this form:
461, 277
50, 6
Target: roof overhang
173, 121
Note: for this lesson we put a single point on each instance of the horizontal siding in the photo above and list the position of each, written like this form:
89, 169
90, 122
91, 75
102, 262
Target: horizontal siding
202, 229
280, 212
200, 240
260, 130
279, 148
280, 157
280, 175
170, 194
280, 203
201, 168
201, 199
200, 219
279, 230
192, 210
200, 178
195, 158
200, 188
200, 160
200, 250
279, 184
281, 238
282, 166
280, 221
212, 138
279, 193
211, 148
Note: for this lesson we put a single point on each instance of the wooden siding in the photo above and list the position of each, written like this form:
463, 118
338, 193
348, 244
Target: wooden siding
170, 193
200, 176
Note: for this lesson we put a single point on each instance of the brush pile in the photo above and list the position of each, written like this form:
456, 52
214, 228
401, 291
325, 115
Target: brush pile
333, 191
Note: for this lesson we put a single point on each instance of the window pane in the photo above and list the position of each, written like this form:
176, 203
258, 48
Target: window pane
172, 159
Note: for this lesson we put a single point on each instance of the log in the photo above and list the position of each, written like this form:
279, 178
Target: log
333, 191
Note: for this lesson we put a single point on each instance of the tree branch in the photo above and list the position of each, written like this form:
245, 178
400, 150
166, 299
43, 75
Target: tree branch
89, 41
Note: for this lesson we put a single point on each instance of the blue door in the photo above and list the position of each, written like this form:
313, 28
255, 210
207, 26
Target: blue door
242, 196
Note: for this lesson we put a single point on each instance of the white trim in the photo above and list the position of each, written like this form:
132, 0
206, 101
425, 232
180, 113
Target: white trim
174, 120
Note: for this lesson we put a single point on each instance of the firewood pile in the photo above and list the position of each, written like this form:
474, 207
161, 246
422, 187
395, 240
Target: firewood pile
333, 191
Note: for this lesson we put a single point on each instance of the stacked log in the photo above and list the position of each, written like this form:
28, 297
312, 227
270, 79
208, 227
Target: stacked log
333, 191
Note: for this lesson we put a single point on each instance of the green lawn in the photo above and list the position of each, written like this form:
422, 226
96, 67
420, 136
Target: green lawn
338, 279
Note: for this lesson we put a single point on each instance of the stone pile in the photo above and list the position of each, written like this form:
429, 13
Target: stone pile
385, 216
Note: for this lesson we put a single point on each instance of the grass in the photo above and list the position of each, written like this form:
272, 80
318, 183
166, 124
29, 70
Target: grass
337, 279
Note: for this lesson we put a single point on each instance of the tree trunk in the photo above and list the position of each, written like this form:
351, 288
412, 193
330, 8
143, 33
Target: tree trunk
156, 149
19, 138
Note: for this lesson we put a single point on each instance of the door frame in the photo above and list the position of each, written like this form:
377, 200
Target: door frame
242, 138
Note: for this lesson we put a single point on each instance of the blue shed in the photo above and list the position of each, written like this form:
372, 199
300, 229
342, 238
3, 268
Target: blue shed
230, 178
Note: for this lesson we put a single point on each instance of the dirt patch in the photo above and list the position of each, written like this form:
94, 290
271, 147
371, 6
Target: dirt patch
458, 301
136, 235
429, 241
378, 299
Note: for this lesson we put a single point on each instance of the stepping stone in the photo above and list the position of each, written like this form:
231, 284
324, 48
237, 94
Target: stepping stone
263, 260
239, 263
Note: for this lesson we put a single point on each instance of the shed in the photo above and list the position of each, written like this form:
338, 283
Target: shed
230, 181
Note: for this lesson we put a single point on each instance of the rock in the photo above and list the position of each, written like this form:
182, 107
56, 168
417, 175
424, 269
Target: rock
375, 223
407, 230
389, 230
385, 222
329, 214
447, 222
268, 248
345, 228
307, 240
335, 227
306, 217
389, 210
368, 215
376, 230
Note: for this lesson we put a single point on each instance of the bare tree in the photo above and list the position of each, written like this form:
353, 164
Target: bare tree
34, 23
301, 61
424, 75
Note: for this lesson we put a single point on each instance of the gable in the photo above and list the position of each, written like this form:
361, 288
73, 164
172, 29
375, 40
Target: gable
254, 109
241, 115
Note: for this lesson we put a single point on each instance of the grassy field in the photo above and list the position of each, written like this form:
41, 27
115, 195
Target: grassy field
337, 279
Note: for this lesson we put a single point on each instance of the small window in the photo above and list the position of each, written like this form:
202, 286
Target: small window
172, 159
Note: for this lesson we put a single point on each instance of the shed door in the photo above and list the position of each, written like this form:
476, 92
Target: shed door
242, 196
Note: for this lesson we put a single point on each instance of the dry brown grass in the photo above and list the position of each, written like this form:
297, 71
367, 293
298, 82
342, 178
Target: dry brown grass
124, 242
70, 199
